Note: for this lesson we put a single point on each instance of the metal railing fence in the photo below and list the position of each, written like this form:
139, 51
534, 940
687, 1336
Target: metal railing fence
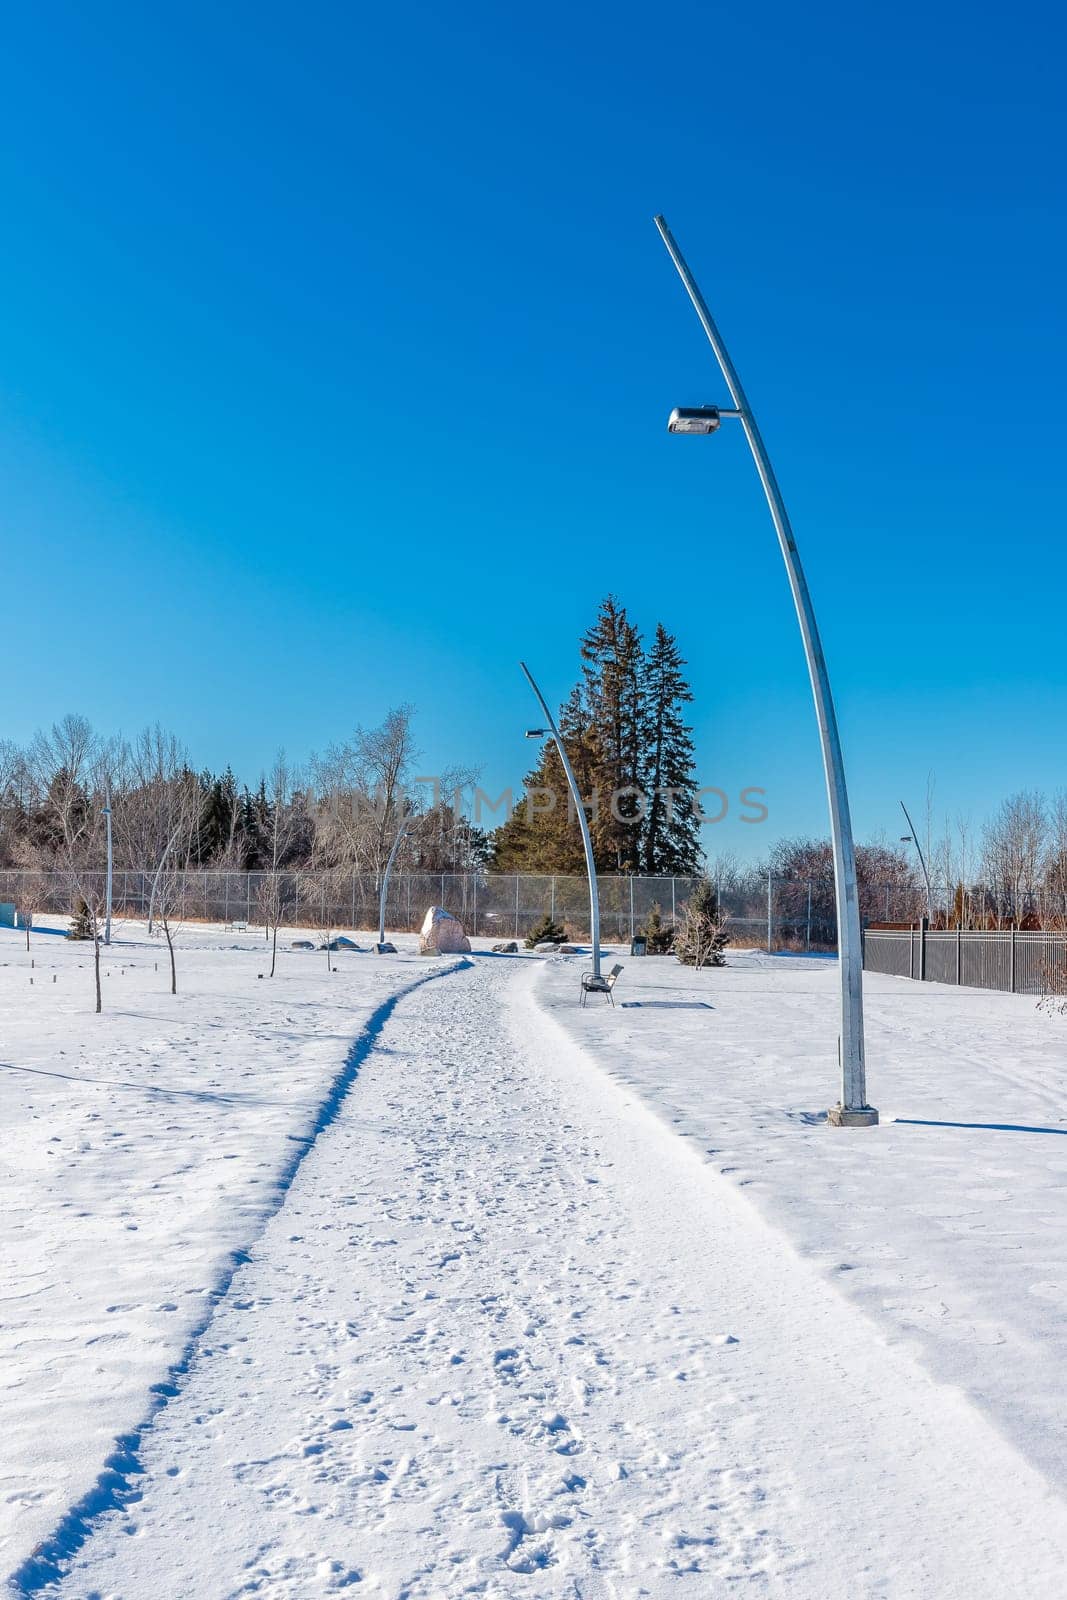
1016, 960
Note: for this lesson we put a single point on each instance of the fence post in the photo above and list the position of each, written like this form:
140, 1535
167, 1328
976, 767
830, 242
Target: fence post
922, 951
959, 954
1011, 963
807, 941
552, 902
631, 908
516, 905
770, 910
911, 950
674, 907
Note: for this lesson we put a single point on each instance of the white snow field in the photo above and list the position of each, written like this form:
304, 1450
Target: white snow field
472, 1310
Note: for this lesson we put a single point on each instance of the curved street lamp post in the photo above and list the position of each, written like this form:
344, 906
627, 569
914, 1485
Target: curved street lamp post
383, 947
110, 871
594, 894
913, 838
852, 1111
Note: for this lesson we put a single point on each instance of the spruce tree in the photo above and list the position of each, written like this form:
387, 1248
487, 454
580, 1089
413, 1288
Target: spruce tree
613, 702
546, 932
219, 817
671, 841
659, 939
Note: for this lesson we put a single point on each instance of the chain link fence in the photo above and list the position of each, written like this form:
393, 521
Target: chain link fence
769, 912
773, 913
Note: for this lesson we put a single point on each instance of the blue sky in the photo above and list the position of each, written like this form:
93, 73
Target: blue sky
338, 345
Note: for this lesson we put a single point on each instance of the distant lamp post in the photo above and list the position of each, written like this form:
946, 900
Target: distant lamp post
384, 947
913, 838
852, 1111
110, 873
552, 732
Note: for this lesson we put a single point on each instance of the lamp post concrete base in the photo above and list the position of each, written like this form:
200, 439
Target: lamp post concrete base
858, 1117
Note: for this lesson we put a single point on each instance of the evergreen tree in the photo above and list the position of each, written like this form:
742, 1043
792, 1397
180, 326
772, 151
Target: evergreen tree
219, 818
546, 932
253, 828
624, 731
81, 923
659, 940
671, 842
537, 839
613, 703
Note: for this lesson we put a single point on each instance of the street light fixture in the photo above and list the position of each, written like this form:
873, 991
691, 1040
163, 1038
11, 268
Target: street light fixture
852, 1111
594, 894
694, 419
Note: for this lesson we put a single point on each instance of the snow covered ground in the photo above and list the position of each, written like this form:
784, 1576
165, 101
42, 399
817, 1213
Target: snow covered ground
445, 1287
947, 1224
142, 1151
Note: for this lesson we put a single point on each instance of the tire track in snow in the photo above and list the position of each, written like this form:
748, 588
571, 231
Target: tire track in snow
116, 1483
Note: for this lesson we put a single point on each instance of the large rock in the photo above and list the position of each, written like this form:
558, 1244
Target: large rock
442, 934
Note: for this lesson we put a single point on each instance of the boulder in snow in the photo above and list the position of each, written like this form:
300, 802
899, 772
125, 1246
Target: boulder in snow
442, 934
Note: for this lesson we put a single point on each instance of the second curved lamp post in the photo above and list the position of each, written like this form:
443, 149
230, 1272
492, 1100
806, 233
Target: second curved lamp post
383, 947
553, 732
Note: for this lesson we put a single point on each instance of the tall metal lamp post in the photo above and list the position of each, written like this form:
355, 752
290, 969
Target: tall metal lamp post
110, 872
852, 1111
551, 731
913, 838
383, 947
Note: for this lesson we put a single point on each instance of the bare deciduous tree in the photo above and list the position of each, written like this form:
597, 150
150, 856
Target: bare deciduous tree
363, 793
183, 806
74, 768
1014, 848
283, 825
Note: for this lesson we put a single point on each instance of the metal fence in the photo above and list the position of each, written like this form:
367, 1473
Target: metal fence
774, 913
1015, 960
508, 904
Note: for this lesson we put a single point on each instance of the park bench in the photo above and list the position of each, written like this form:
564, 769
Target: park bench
237, 927
602, 985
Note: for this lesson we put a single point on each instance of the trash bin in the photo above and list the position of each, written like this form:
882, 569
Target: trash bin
639, 945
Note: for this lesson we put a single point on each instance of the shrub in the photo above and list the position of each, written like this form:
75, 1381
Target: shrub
81, 926
659, 941
546, 932
702, 937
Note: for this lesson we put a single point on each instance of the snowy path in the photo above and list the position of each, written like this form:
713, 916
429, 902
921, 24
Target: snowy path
509, 1336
